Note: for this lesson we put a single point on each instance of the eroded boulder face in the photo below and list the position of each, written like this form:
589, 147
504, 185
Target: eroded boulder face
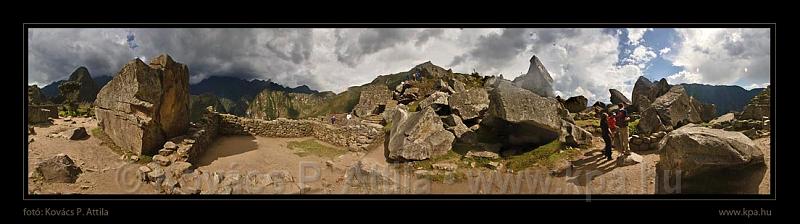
537, 80
418, 135
671, 110
521, 118
469, 104
143, 105
709, 161
373, 100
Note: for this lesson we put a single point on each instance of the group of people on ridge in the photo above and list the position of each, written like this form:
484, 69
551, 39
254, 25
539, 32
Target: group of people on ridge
614, 125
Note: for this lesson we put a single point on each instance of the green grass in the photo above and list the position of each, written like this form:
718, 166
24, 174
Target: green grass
413, 107
588, 123
451, 156
546, 155
443, 177
312, 147
388, 127
632, 130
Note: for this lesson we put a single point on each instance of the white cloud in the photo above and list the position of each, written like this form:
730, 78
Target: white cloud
757, 85
664, 51
724, 56
635, 35
640, 56
684, 77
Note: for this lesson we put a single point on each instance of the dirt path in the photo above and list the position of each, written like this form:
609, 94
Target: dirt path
104, 172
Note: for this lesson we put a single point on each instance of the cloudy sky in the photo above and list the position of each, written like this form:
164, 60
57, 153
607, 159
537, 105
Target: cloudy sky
582, 61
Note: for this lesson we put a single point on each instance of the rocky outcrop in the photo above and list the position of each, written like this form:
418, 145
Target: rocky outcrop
418, 136
469, 104
80, 87
617, 97
537, 80
521, 118
707, 111
438, 101
59, 169
576, 104
709, 161
645, 92
273, 104
373, 100
758, 108
669, 111
144, 105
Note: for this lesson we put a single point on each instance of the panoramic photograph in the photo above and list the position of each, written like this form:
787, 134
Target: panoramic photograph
398, 111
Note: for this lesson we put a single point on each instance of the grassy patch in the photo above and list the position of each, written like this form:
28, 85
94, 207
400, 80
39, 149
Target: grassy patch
388, 127
445, 177
632, 127
311, 146
451, 156
413, 107
588, 123
546, 155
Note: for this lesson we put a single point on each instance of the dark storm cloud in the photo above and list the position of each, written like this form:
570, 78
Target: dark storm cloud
245, 53
353, 44
426, 35
497, 50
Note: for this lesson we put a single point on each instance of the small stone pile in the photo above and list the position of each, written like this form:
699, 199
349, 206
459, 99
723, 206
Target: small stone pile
646, 143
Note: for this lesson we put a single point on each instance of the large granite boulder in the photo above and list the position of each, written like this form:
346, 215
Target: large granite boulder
143, 105
59, 169
645, 92
617, 97
537, 80
373, 100
522, 118
709, 161
576, 104
437, 101
758, 108
418, 135
469, 104
671, 110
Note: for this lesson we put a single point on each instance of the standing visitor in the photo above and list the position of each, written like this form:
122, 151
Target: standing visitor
622, 124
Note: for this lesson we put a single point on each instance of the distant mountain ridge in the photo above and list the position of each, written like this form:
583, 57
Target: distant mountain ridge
726, 98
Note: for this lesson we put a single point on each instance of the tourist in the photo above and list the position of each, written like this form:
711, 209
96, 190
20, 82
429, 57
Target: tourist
333, 119
622, 123
605, 125
612, 125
